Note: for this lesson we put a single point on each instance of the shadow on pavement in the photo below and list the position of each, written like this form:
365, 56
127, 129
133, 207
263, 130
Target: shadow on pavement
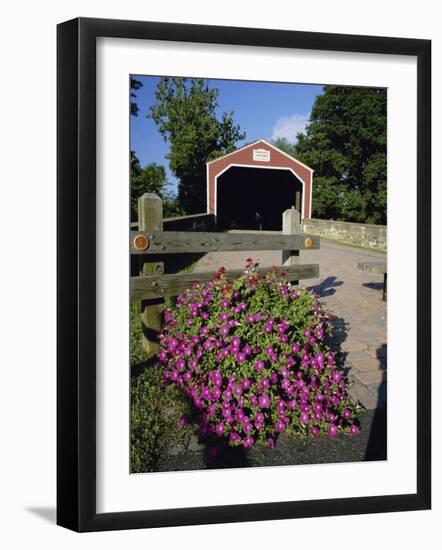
223, 456
327, 287
374, 286
377, 440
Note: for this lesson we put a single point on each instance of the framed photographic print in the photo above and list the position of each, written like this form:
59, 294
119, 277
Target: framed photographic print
232, 204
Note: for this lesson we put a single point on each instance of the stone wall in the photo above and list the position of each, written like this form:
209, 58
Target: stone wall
359, 234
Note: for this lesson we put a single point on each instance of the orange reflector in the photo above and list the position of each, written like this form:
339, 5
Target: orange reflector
141, 242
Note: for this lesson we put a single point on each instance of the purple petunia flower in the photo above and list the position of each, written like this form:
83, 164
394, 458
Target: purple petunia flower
332, 430
236, 342
264, 383
354, 430
279, 426
183, 420
247, 374
187, 376
259, 365
264, 401
304, 418
314, 430
248, 442
247, 350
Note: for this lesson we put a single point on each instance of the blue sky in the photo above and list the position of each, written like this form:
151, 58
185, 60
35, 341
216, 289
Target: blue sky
263, 110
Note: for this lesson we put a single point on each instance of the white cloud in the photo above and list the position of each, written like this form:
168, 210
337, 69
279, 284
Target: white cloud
289, 126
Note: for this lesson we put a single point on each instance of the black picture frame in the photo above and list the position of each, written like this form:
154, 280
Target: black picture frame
76, 272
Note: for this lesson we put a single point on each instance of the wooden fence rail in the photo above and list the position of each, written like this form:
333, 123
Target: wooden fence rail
150, 243
174, 242
176, 283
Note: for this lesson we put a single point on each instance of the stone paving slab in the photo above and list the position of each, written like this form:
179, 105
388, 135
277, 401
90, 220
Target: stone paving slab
354, 296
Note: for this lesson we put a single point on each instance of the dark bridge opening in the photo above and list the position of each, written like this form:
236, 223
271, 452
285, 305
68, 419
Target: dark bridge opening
255, 198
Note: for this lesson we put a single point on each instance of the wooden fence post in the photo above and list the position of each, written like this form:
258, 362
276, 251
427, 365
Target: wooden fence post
291, 226
150, 218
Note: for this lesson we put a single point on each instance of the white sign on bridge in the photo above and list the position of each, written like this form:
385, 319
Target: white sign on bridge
261, 154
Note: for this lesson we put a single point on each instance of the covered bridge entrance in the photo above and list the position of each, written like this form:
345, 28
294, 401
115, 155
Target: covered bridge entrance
251, 187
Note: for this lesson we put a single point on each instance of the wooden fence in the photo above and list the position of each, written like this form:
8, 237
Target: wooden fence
150, 244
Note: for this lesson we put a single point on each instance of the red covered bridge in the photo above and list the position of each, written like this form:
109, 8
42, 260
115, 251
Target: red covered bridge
252, 186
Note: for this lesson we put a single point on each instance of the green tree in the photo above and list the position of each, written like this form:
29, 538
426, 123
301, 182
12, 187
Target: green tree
185, 113
134, 86
284, 144
345, 143
150, 179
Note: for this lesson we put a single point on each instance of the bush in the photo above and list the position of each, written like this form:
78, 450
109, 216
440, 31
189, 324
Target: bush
251, 357
155, 417
155, 410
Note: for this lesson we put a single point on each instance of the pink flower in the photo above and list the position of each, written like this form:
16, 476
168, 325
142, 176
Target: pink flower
221, 368
264, 401
248, 442
332, 430
264, 383
187, 376
336, 377
259, 365
183, 420
304, 418
247, 427
280, 426
180, 364
354, 430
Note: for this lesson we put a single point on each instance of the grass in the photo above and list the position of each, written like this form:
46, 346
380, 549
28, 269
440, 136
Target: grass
154, 408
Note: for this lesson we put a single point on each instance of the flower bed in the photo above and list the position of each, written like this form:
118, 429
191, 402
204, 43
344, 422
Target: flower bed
250, 355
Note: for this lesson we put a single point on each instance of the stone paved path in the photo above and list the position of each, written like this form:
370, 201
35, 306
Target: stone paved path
355, 297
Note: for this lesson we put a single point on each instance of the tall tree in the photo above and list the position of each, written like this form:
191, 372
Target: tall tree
185, 113
345, 143
284, 144
134, 86
150, 179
